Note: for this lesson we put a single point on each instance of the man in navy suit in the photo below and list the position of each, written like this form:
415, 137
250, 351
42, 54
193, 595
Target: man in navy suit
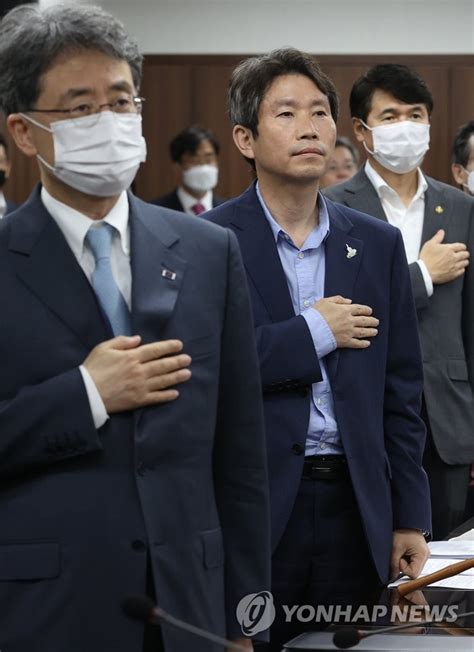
6, 205
194, 153
339, 353
132, 444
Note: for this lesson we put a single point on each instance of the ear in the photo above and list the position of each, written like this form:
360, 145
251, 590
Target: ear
360, 132
458, 173
21, 132
244, 140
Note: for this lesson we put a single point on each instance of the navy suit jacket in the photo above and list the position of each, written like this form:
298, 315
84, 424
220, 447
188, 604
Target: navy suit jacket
376, 391
11, 206
183, 483
171, 200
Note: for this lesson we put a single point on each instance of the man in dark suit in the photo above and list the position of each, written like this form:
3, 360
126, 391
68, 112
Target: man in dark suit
6, 206
391, 107
132, 447
194, 153
338, 346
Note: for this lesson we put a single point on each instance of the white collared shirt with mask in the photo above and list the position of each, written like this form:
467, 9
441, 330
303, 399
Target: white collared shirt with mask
74, 227
408, 220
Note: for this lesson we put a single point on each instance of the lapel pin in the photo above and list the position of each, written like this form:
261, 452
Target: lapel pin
350, 251
166, 273
439, 210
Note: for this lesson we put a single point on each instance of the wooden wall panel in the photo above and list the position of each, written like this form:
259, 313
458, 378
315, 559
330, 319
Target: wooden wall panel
191, 89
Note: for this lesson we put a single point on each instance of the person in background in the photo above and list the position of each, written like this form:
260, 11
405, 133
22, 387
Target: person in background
132, 457
462, 166
391, 108
339, 354
343, 164
195, 153
6, 206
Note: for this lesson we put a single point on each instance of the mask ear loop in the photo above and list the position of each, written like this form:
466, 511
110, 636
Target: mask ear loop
36, 123
363, 143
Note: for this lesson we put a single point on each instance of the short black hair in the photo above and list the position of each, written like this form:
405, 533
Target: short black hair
3, 143
461, 146
400, 81
188, 141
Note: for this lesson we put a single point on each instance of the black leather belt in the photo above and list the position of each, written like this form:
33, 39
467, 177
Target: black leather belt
325, 467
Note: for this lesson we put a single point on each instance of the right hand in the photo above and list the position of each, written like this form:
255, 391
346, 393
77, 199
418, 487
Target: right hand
129, 376
444, 262
350, 322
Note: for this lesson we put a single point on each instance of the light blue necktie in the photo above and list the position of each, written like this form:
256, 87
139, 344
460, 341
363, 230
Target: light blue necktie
111, 299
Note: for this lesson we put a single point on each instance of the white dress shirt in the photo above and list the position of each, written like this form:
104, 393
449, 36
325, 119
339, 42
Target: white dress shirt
74, 226
408, 220
188, 200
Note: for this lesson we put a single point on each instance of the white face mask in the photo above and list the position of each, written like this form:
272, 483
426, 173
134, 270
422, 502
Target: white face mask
201, 178
97, 155
470, 181
401, 146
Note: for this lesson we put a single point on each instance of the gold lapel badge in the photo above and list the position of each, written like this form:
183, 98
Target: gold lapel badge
439, 209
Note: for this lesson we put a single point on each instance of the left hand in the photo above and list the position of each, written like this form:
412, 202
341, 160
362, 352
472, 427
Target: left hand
409, 553
246, 643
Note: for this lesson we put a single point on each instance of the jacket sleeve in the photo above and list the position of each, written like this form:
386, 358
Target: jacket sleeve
46, 423
288, 358
241, 483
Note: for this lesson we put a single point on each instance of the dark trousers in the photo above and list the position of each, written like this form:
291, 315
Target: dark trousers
448, 486
322, 558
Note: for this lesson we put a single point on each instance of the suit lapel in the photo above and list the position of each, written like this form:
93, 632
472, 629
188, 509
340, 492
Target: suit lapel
343, 256
261, 256
157, 271
360, 194
437, 212
44, 263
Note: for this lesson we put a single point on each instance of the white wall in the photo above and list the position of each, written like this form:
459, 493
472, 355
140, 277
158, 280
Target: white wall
321, 27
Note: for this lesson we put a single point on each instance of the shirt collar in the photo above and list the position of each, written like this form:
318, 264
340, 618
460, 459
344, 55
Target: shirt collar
188, 200
74, 225
383, 189
317, 235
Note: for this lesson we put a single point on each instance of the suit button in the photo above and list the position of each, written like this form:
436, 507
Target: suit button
297, 449
141, 468
138, 545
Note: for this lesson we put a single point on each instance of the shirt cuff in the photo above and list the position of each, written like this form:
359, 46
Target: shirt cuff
323, 337
426, 277
99, 413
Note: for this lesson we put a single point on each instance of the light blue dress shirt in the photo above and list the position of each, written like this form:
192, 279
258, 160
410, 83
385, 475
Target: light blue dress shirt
305, 272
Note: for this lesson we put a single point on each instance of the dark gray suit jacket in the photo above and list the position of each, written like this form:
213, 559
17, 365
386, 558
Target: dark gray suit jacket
446, 319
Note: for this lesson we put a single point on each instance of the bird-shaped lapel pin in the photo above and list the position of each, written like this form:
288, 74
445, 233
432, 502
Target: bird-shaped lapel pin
351, 252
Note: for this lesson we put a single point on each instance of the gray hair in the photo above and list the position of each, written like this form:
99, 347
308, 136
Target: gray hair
32, 37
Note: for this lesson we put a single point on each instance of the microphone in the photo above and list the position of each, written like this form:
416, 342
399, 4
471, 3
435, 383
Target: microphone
350, 636
142, 608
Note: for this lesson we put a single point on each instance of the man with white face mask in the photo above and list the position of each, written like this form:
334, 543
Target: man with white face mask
194, 153
390, 108
462, 166
132, 448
